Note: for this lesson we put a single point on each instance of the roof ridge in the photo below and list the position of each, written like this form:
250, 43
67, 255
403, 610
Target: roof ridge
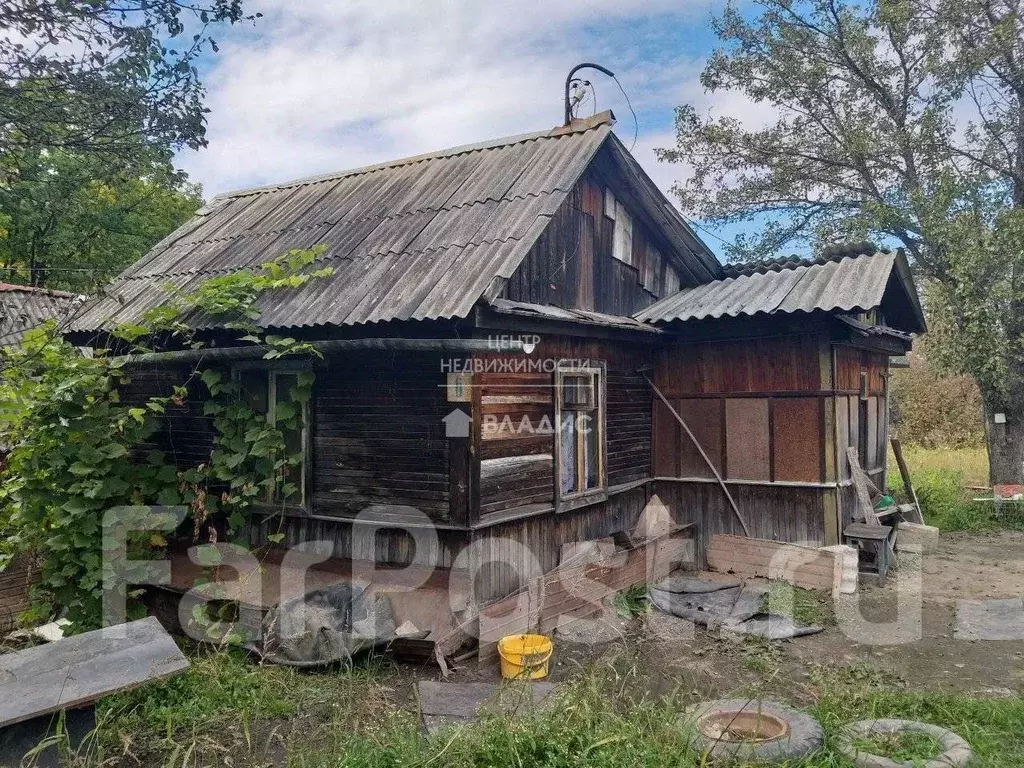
11, 287
831, 254
606, 118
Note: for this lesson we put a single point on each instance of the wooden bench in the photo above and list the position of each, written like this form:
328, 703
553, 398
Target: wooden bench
69, 676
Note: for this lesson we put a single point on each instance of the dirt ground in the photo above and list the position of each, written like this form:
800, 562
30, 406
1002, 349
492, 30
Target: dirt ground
920, 652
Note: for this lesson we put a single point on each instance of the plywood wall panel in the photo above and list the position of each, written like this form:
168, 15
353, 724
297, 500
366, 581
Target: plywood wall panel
797, 439
747, 444
780, 364
704, 418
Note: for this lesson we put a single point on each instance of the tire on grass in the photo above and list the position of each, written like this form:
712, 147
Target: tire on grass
751, 730
956, 751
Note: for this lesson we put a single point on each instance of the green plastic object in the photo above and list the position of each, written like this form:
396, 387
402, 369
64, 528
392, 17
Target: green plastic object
885, 501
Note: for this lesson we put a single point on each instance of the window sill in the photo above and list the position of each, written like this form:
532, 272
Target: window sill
514, 514
585, 499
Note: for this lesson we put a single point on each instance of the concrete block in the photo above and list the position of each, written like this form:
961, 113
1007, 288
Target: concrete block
919, 539
846, 565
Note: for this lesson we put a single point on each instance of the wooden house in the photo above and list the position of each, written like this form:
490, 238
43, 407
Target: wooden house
535, 284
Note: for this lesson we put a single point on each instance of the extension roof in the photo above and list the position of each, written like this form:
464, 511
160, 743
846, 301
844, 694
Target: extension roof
422, 238
24, 306
840, 282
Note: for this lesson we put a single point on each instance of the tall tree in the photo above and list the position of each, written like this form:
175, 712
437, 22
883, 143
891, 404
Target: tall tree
74, 221
98, 76
895, 119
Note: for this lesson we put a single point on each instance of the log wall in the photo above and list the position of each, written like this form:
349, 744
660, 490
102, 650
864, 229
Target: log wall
379, 436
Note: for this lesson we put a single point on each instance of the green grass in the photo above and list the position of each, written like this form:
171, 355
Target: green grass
911, 747
225, 698
222, 711
970, 463
941, 479
801, 605
993, 727
632, 602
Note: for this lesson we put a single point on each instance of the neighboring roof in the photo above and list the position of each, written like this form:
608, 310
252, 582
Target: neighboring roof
581, 316
23, 307
414, 239
836, 283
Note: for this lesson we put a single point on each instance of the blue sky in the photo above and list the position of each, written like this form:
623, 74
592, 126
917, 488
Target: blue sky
319, 85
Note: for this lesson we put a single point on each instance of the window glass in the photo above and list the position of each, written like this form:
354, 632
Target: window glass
567, 436
591, 451
577, 392
581, 430
609, 204
255, 389
623, 243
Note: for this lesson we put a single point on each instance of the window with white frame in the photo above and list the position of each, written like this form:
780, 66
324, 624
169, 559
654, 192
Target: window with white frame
579, 400
275, 393
622, 241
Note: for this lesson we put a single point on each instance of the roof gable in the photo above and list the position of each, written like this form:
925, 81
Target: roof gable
861, 282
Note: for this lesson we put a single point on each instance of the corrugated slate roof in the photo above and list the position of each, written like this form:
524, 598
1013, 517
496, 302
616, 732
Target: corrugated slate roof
419, 238
23, 307
844, 284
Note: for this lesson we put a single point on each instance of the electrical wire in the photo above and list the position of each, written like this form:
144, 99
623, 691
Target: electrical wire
707, 231
636, 123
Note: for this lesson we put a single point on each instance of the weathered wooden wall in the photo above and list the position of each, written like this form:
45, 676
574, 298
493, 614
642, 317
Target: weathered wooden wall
185, 434
405, 542
15, 583
525, 548
773, 512
778, 412
862, 418
378, 434
756, 406
500, 557
572, 266
517, 462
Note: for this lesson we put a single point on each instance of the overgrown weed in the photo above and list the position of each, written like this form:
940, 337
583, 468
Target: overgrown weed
602, 717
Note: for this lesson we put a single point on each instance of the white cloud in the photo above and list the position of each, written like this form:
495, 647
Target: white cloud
320, 86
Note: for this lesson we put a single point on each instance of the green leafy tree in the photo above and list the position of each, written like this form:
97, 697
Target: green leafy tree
901, 120
98, 76
74, 220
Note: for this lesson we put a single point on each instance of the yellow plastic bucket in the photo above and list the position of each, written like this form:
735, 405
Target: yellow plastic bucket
525, 656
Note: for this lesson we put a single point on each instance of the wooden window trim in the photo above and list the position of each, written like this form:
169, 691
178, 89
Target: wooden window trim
286, 368
566, 502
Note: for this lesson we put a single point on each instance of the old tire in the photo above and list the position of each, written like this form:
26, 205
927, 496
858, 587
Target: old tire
802, 734
956, 751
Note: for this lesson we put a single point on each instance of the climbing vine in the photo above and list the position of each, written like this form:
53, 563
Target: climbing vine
76, 449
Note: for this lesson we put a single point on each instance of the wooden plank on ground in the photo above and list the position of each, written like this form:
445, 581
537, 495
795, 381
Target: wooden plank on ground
79, 670
805, 567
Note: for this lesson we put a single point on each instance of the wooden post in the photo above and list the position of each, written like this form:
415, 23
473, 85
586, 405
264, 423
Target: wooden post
897, 451
829, 461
